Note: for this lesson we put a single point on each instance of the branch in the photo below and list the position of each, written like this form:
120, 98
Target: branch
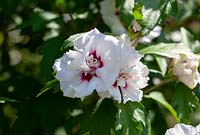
157, 86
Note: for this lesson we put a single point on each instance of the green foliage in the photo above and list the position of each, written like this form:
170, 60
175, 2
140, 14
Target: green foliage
33, 34
155, 13
99, 122
137, 12
50, 51
185, 102
48, 86
162, 63
44, 115
158, 97
165, 49
130, 118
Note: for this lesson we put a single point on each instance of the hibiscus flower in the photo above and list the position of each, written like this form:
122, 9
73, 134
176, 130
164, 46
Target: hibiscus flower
131, 78
92, 65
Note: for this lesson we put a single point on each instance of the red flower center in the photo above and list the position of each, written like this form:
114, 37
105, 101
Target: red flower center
122, 80
93, 62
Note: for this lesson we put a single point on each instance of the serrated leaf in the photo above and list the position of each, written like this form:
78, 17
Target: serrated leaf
158, 97
166, 49
185, 101
151, 18
162, 63
155, 12
130, 118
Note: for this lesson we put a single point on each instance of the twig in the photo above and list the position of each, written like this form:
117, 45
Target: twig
159, 85
135, 42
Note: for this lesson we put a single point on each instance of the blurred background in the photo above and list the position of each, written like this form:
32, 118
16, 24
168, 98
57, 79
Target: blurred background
31, 35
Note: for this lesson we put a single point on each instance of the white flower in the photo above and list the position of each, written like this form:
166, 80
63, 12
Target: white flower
185, 67
110, 16
92, 65
131, 78
182, 129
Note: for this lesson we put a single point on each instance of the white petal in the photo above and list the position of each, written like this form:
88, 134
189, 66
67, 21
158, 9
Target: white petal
67, 90
115, 93
132, 95
182, 129
108, 76
65, 75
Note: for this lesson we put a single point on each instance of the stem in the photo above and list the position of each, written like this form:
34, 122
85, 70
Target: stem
120, 90
73, 24
159, 85
135, 42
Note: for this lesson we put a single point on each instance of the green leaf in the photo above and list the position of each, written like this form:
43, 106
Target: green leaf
137, 12
188, 40
151, 18
149, 117
166, 49
162, 63
130, 118
186, 10
76, 36
50, 51
174, 7
185, 101
67, 45
48, 86
155, 71
154, 13
197, 90
99, 122
158, 97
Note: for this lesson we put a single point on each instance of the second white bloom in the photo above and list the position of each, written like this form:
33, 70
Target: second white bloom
133, 76
185, 67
